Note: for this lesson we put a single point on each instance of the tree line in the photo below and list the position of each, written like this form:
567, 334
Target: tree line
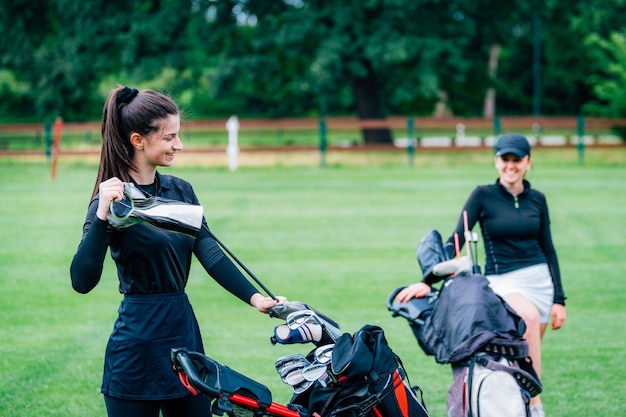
298, 58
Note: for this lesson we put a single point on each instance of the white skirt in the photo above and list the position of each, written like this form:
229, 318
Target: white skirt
533, 282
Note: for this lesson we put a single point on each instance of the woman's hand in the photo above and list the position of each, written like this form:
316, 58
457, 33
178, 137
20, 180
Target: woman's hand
417, 290
263, 304
558, 316
110, 190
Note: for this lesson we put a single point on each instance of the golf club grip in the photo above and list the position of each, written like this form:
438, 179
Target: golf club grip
232, 255
192, 375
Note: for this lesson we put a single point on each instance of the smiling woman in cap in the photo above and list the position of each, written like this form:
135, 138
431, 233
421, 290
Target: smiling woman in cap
521, 262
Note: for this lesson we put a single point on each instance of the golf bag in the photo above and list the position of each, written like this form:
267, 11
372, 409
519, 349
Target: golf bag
475, 331
370, 380
494, 386
346, 375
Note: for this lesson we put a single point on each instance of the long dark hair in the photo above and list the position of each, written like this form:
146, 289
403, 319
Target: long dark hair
128, 111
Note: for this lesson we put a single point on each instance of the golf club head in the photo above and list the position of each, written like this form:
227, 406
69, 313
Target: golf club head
308, 317
282, 310
301, 317
455, 266
324, 354
314, 371
330, 328
302, 387
286, 361
292, 374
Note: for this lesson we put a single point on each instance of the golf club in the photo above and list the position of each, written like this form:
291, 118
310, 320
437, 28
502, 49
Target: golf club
314, 371
302, 387
232, 255
299, 318
292, 374
467, 235
324, 354
284, 362
471, 238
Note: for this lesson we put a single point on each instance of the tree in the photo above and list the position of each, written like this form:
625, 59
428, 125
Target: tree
378, 51
280, 58
609, 86
604, 40
65, 48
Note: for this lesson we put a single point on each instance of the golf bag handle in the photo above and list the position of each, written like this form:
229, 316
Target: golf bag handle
185, 368
223, 394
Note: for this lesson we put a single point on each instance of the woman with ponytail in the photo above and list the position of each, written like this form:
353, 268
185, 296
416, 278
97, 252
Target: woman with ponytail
140, 133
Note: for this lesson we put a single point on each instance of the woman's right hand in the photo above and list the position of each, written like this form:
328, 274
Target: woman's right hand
417, 290
110, 190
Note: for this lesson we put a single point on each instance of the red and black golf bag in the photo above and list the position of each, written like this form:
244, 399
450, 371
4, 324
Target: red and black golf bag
344, 376
369, 380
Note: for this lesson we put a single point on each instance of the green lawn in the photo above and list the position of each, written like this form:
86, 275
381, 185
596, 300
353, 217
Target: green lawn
339, 238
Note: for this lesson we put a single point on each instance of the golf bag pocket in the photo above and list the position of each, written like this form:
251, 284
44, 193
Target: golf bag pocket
493, 389
360, 397
370, 380
364, 353
400, 400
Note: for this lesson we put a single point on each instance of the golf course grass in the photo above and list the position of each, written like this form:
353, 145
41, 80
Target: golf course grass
338, 237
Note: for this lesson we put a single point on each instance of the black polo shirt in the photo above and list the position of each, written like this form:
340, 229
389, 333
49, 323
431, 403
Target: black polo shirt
515, 230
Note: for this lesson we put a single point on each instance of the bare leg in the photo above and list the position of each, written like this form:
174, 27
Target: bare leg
534, 330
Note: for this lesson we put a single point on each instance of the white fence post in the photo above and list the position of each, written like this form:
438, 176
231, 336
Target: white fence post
232, 125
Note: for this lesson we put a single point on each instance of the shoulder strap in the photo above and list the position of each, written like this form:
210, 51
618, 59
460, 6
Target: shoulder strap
511, 348
524, 379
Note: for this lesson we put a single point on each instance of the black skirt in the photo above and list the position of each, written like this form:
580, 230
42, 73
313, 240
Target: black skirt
137, 361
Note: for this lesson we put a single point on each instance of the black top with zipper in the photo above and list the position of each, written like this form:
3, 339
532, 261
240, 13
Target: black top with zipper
149, 260
155, 315
515, 230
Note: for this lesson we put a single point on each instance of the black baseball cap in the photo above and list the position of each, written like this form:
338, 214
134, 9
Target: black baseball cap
512, 143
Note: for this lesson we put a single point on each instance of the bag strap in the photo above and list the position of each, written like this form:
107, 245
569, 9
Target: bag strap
524, 379
512, 349
403, 375
468, 388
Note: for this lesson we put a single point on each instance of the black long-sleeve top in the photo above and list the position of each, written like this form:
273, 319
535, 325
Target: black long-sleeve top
150, 260
515, 230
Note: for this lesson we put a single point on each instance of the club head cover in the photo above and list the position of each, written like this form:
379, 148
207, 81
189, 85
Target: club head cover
306, 333
456, 266
430, 252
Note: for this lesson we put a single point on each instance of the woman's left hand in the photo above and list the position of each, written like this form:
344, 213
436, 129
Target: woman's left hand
417, 290
558, 316
263, 304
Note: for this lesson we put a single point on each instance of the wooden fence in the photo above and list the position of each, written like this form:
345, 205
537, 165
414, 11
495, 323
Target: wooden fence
15, 138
